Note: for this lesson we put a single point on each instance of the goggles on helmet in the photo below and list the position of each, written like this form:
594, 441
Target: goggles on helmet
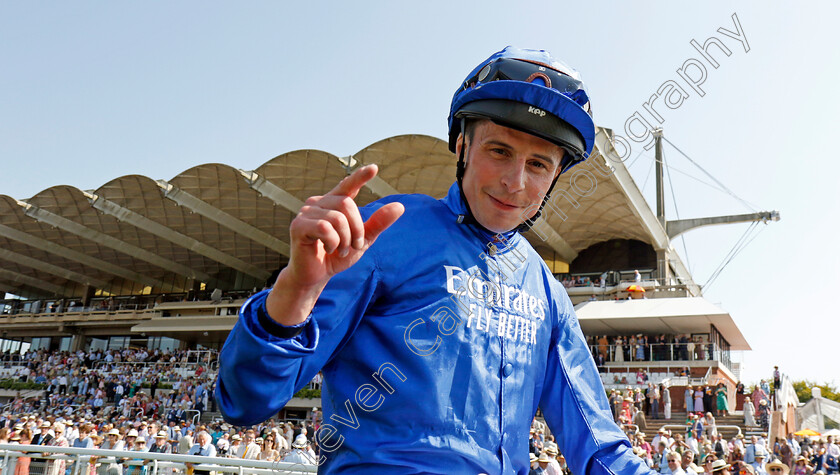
509, 69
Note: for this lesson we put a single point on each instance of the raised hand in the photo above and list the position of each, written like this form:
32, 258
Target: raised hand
327, 237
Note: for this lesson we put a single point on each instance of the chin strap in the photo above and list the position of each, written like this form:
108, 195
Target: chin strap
468, 217
526, 225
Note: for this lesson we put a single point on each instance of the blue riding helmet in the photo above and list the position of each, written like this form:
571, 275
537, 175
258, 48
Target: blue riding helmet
530, 91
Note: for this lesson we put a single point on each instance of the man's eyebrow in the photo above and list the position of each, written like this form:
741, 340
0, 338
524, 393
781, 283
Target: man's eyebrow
546, 158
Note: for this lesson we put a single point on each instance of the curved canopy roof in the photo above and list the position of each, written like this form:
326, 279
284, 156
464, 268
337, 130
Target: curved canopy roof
228, 228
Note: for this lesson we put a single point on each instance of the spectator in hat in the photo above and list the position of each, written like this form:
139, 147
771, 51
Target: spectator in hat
108, 465
22, 464
688, 400
300, 452
720, 467
161, 444
235, 444
534, 467
764, 415
801, 466
544, 461
130, 438
223, 444
760, 459
644, 456
661, 435
777, 467
553, 466
139, 446
739, 467
44, 437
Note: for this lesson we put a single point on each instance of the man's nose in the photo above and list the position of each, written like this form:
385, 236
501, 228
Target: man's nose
514, 177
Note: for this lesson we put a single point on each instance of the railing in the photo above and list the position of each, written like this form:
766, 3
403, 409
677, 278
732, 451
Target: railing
715, 427
707, 379
144, 365
151, 463
203, 356
111, 304
55, 311
196, 417
631, 426
660, 352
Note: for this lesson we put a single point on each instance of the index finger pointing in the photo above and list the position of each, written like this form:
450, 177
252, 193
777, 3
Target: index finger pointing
351, 185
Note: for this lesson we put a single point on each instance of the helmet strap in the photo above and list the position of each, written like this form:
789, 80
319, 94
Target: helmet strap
468, 217
528, 223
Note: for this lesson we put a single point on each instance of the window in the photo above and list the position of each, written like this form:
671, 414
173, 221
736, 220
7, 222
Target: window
163, 343
40, 343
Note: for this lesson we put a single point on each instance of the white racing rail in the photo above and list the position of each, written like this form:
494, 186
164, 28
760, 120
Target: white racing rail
115, 462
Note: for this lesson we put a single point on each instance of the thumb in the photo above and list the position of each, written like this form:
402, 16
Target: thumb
381, 220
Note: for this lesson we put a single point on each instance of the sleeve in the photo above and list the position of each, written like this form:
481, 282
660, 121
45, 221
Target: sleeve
575, 404
259, 371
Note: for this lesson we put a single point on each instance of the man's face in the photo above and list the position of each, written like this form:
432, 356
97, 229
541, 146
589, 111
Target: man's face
508, 174
673, 462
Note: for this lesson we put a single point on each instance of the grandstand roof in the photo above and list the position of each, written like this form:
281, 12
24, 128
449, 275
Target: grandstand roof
228, 228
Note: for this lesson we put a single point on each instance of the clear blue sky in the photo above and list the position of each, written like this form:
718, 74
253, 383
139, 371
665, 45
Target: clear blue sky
95, 90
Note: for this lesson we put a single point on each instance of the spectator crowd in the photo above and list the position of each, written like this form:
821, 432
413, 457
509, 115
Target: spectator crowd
145, 401
135, 400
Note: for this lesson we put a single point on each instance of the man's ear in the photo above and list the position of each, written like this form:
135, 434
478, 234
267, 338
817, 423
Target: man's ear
560, 163
459, 142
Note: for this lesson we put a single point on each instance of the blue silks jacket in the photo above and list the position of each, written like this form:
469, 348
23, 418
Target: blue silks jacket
437, 347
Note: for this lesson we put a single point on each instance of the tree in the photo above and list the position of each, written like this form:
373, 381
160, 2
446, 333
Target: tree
803, 390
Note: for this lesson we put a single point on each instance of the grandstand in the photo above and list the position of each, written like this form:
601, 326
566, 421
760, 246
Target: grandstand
164, 265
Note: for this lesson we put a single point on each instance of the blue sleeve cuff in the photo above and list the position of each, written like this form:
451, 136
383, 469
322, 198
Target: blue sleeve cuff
275, 329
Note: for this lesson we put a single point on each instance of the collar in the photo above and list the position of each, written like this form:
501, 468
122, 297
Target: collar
455, 203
